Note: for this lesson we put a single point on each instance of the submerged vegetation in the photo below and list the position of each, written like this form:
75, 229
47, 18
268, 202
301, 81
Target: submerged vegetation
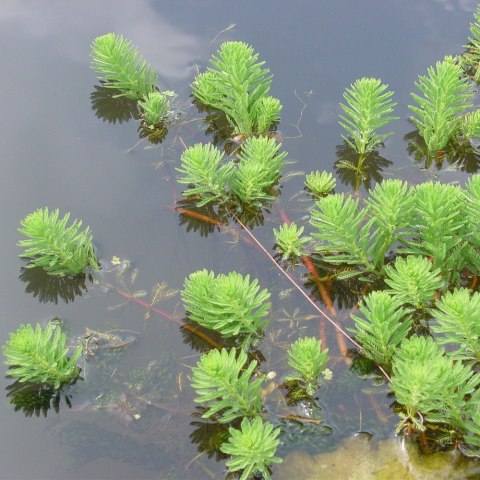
406, 257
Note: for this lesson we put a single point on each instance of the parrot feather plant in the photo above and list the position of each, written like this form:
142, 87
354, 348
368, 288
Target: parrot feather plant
238, 85
58, 249
37, 355
120, 66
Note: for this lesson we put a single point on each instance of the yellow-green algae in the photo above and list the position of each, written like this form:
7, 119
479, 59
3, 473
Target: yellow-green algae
357, 458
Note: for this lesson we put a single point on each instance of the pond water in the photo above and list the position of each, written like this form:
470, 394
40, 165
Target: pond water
133, 416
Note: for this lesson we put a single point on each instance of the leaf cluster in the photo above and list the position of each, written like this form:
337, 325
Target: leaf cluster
289, 240
247, 180
252, 448
430, 386
413, 280
430, 220
58, 249
40, 356
446, 95
237, 85
382, 326
229, 304
155, 107
368, 108
470, 60
457, 317
224, 383
308, 360
320, 183
120, 66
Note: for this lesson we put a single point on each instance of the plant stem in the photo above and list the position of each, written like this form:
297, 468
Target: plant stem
165, 315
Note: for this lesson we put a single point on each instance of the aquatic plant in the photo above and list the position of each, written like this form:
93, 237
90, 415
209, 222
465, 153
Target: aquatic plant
446, 95
40, 355
229, 304
247, 180
382, 327
427, 220
440, 230
470, 60
309, 361
430, 386
413, 280
58, 249
252, 448
320, 183
202, 171
224, 383
457, 317
259, 166
120, 66
237, 85
155, 107
289, 240
368, 108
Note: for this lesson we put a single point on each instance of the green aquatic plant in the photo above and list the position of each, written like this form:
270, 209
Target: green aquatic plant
430, 386
120, 66
320, 183
470, 60
309, 361
470, 125
440, 229
457, 317
202, 170
289, 240
40, 356
224, 383
446, 95
155, 107
230, 304
58, 249
368, 108
259, 167
431, 220
248, 180
237, 85
413, 280
382, 327
252, 448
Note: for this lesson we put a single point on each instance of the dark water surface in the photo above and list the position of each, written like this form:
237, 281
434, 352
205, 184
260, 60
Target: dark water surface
55, 152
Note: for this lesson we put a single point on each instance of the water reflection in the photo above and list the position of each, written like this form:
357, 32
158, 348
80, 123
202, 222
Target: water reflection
111, 107
51, 288
461, 155
36, 399
356, 170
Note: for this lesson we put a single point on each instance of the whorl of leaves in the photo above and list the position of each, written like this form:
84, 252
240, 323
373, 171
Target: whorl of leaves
58, 249
252, 448
120, 66
40, 356
229, 304
224, 384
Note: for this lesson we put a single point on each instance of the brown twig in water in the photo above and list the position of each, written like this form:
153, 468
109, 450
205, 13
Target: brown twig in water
165, 315
309, 300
